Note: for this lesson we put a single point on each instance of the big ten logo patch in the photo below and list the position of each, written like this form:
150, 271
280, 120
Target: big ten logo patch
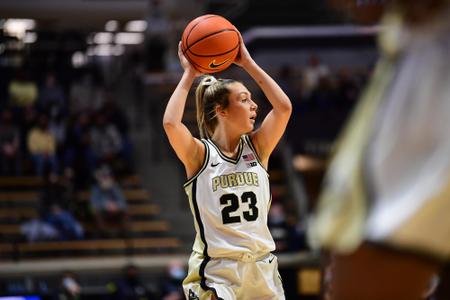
250, 160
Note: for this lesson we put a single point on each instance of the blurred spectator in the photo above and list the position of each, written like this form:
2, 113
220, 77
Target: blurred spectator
312, 74
323, 96
54, 222
287, 232
67, 227
10, 158
81, 94
108, 201
171, 284
106, 141
130, 286
286, 80
22, 90
70, 288
42, 147
51, 97
347, 89
278, 227
86, 92
38, 230
53, 193
78, 155
58, 127
53, 208
115, 115
27, 120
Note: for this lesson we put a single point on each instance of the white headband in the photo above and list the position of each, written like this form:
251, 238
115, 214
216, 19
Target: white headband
210, 80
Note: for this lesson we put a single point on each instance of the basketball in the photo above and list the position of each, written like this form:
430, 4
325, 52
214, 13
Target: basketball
210, 43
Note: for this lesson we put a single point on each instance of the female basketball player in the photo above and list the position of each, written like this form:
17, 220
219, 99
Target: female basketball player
228, 184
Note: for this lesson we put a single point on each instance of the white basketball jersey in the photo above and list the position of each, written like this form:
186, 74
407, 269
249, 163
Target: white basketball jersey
230, 200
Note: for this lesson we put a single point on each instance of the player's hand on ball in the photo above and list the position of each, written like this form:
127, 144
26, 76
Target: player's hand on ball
186, 65
243, 57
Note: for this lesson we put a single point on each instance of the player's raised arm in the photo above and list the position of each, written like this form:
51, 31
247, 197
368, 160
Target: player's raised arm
189, 149
267, 136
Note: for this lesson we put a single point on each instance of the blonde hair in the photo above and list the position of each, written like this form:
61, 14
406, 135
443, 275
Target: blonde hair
209, 93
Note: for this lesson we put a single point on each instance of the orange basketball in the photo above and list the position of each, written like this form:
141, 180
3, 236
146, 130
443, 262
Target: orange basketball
210, 43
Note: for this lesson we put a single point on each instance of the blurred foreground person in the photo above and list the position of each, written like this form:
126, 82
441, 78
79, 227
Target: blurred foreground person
383, 212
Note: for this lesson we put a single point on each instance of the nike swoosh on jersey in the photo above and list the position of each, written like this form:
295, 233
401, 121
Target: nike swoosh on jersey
215, 165
213, 64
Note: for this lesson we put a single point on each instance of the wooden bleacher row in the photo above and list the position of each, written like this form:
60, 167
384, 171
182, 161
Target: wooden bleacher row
134, 210
18, 199
134, 226
26, 196
37, 182
63, 247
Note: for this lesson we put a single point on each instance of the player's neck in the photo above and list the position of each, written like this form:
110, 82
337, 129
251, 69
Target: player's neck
227, 143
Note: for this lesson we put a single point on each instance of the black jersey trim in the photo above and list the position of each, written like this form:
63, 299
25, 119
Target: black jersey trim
270, 197
203, 278
198, 217
205, 164
226, 158
206, 257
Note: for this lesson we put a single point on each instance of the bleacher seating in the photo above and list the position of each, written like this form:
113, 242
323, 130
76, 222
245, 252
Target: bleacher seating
147, 231
88, 247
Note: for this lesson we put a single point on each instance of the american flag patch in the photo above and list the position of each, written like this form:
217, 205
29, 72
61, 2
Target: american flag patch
248, 157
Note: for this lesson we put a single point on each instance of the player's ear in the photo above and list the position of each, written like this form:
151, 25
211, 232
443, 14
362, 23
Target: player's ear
220, 111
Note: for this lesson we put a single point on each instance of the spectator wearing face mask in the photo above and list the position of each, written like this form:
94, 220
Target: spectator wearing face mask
171, 284
70, 288
54, 203
130, 286
107, 201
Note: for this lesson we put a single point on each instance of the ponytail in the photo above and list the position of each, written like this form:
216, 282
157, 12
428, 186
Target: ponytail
209, 93
200, 105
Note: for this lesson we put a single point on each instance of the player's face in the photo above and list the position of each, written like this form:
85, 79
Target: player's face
241, 110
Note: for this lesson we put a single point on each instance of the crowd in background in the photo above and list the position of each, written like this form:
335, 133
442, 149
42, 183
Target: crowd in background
46, 128
74, 137
322, 98
129, 284
73, 134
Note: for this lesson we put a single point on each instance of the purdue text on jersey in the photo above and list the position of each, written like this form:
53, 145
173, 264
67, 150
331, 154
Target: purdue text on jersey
235, 179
